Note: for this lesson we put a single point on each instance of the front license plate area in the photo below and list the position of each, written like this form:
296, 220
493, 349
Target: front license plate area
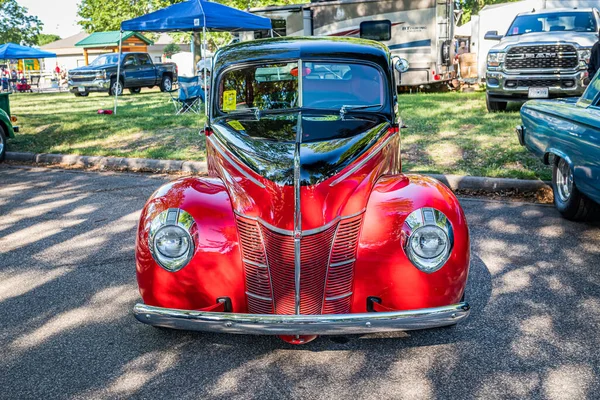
81, 89
538, 92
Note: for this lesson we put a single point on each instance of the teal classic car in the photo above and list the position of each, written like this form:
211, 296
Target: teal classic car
566, 134
7, 129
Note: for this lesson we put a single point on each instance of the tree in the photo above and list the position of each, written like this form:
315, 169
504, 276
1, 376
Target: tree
472, 7
171, 48
16, 25
45, 38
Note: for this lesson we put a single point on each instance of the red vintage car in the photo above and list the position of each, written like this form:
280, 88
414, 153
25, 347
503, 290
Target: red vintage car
305, 224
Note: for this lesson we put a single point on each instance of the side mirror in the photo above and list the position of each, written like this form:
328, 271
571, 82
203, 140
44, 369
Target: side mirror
128, 63
401, 65
492, 35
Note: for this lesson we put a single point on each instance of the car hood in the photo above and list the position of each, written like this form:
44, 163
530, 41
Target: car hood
339, 161
583, 39
90, 68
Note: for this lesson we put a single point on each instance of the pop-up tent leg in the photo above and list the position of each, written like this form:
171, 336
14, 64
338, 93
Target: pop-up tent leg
118, 70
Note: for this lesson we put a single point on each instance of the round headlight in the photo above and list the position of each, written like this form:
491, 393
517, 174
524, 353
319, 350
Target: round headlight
429, 239
170, 239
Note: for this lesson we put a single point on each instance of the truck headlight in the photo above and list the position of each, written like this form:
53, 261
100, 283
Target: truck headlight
584, 56
101, 75
495, 59
428, 239
171, 239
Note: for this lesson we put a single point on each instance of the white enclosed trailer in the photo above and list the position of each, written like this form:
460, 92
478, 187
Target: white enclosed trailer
421, 31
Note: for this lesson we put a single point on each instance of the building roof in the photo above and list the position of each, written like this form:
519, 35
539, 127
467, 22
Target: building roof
110, 38
65, 43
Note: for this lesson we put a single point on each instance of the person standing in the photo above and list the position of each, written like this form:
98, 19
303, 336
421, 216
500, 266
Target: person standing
594, 63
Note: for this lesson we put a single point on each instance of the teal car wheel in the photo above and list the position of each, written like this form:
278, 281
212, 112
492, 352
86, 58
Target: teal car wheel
569, 201
2, 144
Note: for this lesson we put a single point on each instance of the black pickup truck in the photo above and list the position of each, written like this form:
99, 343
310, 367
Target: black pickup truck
137, 71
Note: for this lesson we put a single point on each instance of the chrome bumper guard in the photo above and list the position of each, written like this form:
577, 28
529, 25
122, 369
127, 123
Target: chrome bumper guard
329, 324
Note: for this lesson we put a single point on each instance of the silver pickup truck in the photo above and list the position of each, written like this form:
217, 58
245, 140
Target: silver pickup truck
544, 54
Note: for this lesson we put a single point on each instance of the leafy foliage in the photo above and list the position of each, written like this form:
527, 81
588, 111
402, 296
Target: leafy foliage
44, 38
171, 49
16, 25
472, 7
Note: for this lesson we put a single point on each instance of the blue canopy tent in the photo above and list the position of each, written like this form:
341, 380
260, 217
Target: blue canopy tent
196, 16
11, 51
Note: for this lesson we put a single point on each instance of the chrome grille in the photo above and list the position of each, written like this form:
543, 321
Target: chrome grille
82, 76
542, 57
327, 268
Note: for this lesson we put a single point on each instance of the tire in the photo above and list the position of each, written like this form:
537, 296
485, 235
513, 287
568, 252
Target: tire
135, 90
2, 143
166, 83
78, 94
114, 86
568, 200
494, 106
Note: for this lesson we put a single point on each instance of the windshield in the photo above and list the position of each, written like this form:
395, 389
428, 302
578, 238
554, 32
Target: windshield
325, 85
553, 22
105, 59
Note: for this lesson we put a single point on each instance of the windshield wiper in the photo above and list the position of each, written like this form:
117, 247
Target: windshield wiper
345, 108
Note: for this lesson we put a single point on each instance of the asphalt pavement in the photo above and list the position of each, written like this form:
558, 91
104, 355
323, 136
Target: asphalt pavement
67, 288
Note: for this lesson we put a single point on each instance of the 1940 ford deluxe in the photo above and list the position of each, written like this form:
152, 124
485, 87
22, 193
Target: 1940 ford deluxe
305, 225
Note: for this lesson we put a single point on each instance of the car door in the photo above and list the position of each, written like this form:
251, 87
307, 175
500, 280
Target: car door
147, 73
130, 70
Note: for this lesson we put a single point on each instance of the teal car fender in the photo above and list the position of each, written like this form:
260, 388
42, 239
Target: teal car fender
569, 129
6, 124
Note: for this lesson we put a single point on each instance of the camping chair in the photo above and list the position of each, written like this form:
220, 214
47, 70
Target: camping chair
35, 81
189, 95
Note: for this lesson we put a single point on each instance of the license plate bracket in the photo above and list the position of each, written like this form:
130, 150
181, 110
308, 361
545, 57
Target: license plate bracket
538, 92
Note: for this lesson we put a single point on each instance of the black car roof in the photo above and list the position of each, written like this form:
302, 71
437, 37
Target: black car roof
306, 47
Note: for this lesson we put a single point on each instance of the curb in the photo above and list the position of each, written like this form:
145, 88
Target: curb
454, 182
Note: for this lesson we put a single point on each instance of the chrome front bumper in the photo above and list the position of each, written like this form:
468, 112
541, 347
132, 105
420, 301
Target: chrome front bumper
97, 85
496, 84
329, 324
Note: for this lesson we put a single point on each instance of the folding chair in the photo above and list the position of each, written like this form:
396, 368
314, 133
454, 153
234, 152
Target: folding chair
189, 95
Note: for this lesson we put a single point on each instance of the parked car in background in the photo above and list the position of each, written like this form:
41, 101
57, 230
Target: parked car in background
137, 71
7, 129
305, 225
566, 133
544, 54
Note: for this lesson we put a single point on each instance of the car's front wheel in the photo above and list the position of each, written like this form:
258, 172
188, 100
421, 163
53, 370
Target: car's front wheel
81, 94
116, 86
166, 84
135, 90
569, 201
494, 106
2, 144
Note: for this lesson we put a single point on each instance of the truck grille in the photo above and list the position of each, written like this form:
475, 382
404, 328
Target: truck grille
82, 76
326, 275
542, 57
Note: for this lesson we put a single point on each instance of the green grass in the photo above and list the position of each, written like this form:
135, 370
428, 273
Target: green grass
144, 127
448, 133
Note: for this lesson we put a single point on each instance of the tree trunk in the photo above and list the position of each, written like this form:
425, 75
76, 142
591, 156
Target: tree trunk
197, 43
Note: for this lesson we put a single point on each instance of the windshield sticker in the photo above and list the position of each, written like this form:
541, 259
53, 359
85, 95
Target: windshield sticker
236, 125
229, 100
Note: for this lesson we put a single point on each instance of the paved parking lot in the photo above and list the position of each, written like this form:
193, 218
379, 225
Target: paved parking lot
67, 287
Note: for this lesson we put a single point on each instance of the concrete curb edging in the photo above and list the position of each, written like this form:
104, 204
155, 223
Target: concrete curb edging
454, 182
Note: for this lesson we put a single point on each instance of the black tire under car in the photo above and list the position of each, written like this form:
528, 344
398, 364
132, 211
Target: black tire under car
111, 89
135, 90
166, 83
81, 94
2, 143
573, 205
494, 106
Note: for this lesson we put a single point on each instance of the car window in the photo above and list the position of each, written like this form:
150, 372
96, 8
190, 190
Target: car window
130, 60
143, 59
261, 87
591, 96
105, 59
576, 21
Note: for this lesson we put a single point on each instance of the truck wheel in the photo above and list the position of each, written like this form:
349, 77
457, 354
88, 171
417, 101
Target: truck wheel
135, 90
78, 94
166, 84
2, 144
115, 87
494, 106
569, 201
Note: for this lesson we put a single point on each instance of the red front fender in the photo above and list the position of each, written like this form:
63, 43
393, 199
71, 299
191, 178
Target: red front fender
382, 268
215, 269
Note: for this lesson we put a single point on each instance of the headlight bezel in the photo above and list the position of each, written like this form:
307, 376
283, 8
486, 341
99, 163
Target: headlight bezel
101, 74
431, 219
182, 221
496, 58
